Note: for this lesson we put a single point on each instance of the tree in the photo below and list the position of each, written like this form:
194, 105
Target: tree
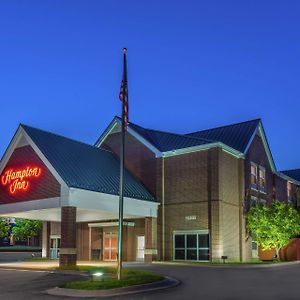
274, 225
4, 227
26, 229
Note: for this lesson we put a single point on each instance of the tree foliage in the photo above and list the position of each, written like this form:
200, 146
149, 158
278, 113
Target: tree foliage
4, 227
273, 226
25, 229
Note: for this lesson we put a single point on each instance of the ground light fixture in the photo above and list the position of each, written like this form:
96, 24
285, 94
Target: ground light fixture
224, 257
98, 276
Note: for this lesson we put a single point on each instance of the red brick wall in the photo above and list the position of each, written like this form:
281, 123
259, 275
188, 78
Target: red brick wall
139, 160
44, 186
280, 188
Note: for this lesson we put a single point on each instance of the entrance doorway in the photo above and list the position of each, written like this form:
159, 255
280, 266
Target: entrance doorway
110, 240
54, 247
140, 252
191, 245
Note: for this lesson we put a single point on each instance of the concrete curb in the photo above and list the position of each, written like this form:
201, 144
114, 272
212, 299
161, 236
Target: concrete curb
166, 283
229, 265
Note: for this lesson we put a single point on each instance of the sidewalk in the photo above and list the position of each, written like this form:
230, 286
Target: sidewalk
229, 265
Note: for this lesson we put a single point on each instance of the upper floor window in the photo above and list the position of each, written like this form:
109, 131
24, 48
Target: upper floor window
253, 175
262, 178
254, 201
258, 177
289, 191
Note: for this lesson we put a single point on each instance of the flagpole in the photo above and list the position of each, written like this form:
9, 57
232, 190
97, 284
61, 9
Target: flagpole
122, 154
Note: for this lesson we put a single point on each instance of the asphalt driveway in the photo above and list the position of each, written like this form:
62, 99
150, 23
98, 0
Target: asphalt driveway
230, 283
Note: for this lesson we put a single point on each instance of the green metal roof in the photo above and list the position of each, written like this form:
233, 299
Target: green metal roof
236, 135
166, 141
85, 166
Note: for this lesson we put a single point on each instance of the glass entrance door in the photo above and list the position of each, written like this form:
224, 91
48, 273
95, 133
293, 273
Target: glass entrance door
110, 246
54, 247
140, 253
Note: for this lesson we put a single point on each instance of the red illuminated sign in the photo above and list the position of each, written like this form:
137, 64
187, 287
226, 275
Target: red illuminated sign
19, 180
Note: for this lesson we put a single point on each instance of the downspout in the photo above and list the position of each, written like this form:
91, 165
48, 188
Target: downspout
209, 198
163, 206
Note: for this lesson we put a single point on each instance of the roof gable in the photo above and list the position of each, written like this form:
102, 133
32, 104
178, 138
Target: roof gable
157, 141
84, 166
234, 138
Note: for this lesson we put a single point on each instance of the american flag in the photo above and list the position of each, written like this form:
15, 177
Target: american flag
123, 95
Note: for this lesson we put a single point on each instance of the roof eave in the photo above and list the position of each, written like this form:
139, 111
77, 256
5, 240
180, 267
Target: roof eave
204, 147
286, 177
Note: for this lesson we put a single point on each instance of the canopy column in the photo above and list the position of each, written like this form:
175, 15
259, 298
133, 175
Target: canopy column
68, 250
150, 239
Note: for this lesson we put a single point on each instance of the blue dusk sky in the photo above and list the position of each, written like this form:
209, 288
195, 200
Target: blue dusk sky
192, 65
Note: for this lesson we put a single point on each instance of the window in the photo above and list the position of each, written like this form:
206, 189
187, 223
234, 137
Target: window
254, 249
262, 179
255, 200
258, 177
191, 245
253, 175
290, 192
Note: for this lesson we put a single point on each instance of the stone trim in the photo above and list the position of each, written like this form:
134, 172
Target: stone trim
68, 251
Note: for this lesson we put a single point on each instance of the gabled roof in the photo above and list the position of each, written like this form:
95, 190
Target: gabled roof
234, 138
294, 174
236, 135
166, 141
84, 166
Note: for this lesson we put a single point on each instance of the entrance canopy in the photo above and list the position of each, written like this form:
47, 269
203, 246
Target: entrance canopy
42, 172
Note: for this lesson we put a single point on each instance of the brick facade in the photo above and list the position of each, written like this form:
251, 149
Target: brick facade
208, 190
213, 186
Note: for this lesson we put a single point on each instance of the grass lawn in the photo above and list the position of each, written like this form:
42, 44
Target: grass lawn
20, 249
130, 277
39, 259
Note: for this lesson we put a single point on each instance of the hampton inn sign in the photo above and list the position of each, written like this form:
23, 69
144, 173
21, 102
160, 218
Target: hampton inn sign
19, 180
185, 195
